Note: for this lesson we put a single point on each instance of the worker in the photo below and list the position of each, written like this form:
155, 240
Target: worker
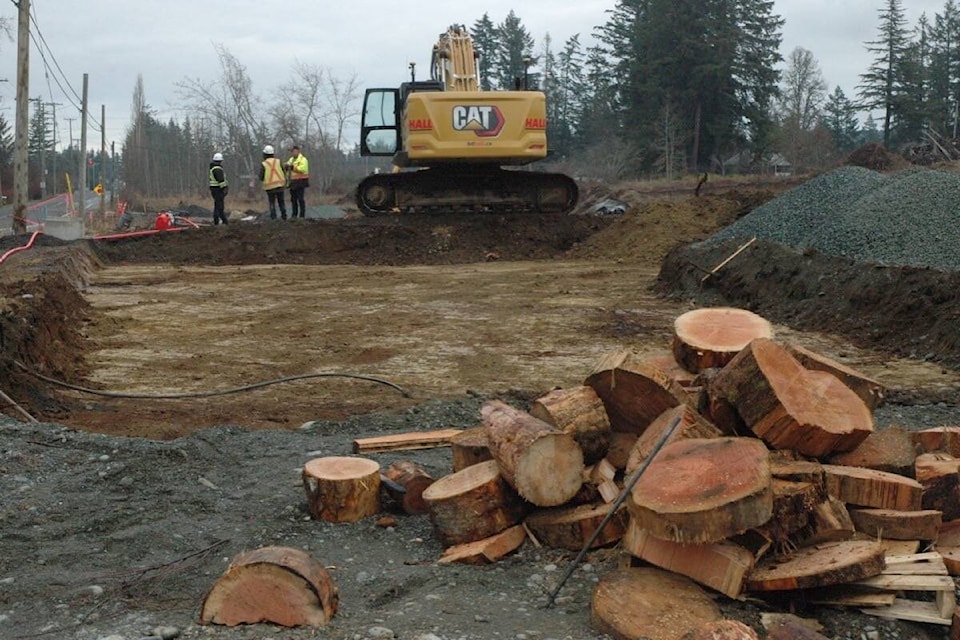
274, 181
218, 188
299, 171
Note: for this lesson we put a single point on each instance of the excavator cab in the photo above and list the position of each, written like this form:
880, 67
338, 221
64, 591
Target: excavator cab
380, 125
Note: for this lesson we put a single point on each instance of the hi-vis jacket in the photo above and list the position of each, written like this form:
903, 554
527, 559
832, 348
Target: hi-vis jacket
299, 168
218, 178
272, 174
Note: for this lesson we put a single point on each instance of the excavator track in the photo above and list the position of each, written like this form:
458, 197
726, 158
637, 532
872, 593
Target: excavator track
467, 189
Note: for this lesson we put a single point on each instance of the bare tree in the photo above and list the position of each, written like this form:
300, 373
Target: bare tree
801, 106
342, 104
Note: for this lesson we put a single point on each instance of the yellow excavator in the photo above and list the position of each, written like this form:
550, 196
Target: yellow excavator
450, 142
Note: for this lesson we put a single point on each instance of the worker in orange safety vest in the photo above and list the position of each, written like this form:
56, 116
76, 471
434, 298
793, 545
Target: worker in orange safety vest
274, 180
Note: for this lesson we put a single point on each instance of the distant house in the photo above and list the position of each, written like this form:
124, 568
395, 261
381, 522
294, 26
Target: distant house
743, 162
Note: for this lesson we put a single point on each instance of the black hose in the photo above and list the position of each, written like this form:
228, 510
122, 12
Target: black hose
207, 394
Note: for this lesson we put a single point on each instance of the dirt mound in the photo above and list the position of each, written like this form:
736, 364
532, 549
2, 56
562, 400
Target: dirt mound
875, 156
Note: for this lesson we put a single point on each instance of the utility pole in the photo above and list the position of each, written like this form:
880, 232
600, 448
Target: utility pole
82, 176
103, 161
20, 173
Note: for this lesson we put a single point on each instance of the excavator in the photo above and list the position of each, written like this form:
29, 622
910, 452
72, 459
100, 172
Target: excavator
454, 146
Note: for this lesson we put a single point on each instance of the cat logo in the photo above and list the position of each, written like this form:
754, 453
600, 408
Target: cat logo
484, 120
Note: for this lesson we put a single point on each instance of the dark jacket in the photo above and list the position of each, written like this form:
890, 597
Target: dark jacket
217, 175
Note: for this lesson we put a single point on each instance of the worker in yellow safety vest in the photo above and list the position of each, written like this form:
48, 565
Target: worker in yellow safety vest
218, 188
274, 180
299, 170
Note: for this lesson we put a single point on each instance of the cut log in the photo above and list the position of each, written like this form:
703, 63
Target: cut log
277, 585
793, 503
487, 550
665, 361
790, 407
869, 390
543, 464
722, 630
621, 444
578, 412
649, 604
634, 393
472, 504
722, 566
704, 490
710, 338
809, 471
409, 480
470, 447
405, 441
341, 489
570, 528
691, 425
951, 559
829, 522
943, 439
939, 474
949, 534
897, 525
823, 565
869, 488
889, 450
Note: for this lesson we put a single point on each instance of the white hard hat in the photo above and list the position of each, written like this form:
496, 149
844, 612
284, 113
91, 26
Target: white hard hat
268, 149
217, 157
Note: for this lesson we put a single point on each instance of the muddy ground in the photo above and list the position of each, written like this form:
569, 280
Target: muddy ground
120, 512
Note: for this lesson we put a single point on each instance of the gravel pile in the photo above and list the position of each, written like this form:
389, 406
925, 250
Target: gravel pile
910, 218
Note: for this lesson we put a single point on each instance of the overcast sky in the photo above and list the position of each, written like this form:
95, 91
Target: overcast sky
167, 41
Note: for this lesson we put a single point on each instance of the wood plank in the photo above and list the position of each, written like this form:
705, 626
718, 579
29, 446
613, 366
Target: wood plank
911, 610
908, 583
846, 596
405, 441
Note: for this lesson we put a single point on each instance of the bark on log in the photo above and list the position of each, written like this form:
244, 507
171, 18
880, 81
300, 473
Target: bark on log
341, 489
722, 566
634, 393
278, 585
945, 439
487, 550
472, 504
722, 630
793, 502
469, 447
869, 488
897, 525
543, 464
690, 425
665, 361
578, 412
819, 566
939, 474
889, 450
869, 390
570, 528
829, 522
798, 471
710, 338
413, 479
704, 490
649, 604
790, 407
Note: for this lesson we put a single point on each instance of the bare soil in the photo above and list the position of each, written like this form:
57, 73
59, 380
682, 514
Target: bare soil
121, 511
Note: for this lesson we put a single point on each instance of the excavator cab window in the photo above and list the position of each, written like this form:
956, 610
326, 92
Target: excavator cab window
380, 126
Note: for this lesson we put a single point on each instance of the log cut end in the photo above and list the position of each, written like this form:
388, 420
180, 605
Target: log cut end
341, 488
710, 338
550, 470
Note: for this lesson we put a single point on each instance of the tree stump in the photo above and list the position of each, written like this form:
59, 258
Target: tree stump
868, 390
578, 412
409, 481
471, 446
649, 604
820, 566
710, 338
472, 504
634, 393
691, 425
543, 464
278, 585
487, 550
790, 407
570, 528
870, 488
704, 490
342, 489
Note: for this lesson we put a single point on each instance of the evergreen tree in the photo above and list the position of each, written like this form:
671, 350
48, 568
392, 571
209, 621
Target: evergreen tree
569, 92
943, 95
881, 88
514, 52
840, 119
484, 35
912, 107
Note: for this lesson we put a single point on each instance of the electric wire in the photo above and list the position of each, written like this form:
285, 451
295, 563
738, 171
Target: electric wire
208, 394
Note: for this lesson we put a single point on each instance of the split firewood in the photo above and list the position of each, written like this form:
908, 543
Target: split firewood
722, 630
829, 522
691, 425
823, 565
278, 585
634, 393
943, 439
472, 504
570, 528
897, 525
710, 338
621, 444
788, 406
870, 488
487, 550
889, 450
665, 361
406, 483
579, 412
649, 604
544, 464
470, 446
722, 566
341, 489
704, 490
939, 474
789, 468
869, 390
793, 502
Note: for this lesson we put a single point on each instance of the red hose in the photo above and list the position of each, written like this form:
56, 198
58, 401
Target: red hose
19, 249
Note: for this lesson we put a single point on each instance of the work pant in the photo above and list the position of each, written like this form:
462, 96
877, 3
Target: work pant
297, 204
219, 214
275, 200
